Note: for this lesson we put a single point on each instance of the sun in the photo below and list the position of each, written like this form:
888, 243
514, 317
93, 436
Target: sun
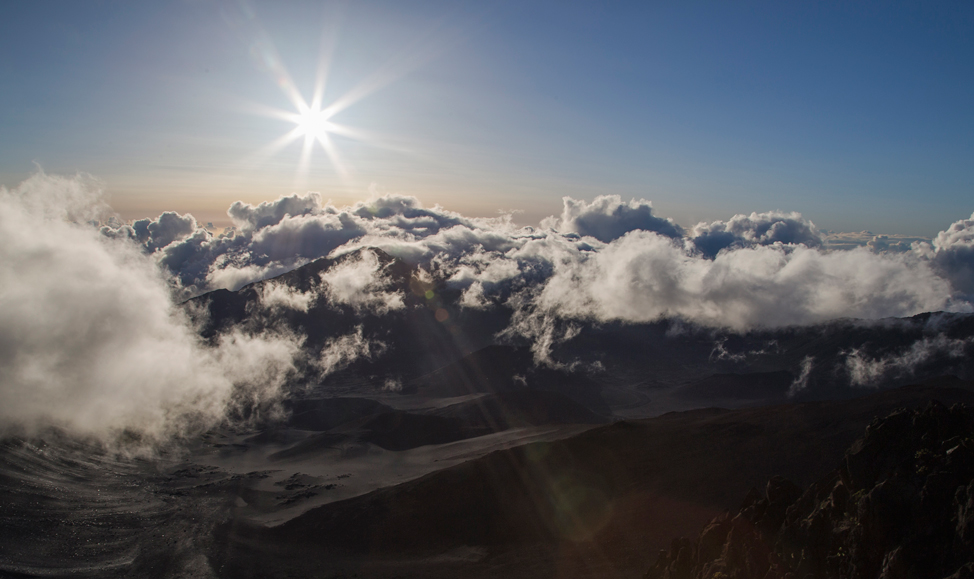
315, 119
313, 124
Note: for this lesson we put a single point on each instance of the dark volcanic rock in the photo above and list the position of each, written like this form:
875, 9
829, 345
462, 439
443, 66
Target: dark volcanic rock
613, 495
900, 505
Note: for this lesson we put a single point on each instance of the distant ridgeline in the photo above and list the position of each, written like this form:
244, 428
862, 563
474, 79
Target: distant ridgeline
406, 322
901, 505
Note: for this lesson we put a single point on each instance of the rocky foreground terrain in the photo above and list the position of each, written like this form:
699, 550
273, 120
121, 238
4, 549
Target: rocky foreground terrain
601, 503
900, 505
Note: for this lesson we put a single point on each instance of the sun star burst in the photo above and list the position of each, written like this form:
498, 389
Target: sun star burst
313, 123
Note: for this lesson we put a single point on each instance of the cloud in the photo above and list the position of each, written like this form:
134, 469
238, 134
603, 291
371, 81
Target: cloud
643, 277
880, 243
392, 385
801, 382
607, 218
235, 277
720, 352
867, 371
361, 282
90, 340
755, 229
61, 198
543, 329
473, 297
279, 296
248, 218
953, 255
162, 231
339, 352
482, 273
278, 236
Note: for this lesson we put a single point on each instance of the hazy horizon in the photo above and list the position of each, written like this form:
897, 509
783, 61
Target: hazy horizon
855, 116
221, 219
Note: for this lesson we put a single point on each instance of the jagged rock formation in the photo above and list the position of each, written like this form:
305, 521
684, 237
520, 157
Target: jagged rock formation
901, 505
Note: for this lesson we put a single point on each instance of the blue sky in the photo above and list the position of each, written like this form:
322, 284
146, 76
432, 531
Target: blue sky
858, 115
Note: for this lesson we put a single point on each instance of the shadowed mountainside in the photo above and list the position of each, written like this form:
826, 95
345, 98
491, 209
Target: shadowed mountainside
417, 341
598, 504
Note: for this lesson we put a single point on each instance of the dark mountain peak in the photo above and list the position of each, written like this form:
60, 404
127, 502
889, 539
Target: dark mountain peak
901, 504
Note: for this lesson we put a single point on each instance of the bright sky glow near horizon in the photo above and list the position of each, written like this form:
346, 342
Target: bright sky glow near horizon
857, 115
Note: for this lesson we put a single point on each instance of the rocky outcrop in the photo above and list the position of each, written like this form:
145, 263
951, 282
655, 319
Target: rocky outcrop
901, 505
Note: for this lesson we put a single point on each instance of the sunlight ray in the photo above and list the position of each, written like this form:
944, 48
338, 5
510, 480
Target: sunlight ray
271, 149
392, 71
304, 164
371, 138
336, 160
269, 112
329, 39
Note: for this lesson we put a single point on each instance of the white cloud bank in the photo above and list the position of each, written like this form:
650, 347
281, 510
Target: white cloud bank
644, 277
601, 260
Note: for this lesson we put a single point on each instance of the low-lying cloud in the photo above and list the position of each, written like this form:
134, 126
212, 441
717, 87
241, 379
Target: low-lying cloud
864, 370
88, 320
340, 351
361, 283
275, 297
953, 254
644, 277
